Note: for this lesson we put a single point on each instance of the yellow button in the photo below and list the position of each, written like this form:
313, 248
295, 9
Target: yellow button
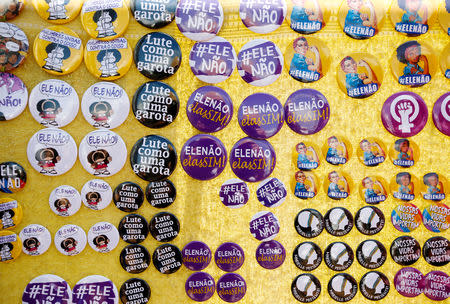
10, 213
58, 11
412, 17
10, 246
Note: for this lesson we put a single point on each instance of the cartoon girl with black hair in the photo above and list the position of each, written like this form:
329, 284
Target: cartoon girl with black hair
93, 199
56, 53
300, 62
411, 8
47, 159
99, 160
13, 46
62, 205
104, 20
56, 9
6, 217
108, 62
101, 243
48, 109
353, 79
5, 251
410, 54
101, 111
31, 245
69, 246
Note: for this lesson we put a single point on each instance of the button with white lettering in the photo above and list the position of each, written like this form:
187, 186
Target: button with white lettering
264, 226
103, 237
70, 240
95, 288
404, 186
167, 258
135, 290
436, 217
47, 287
229, 257
128, 196
270, 255
231, 287
338, 221
262, 17
65, 200
338, 185
14, 96
102, 153
444, 62
305, 184
404, 153
307, 256
234, 193
373, 189
36, 239
157, 55
441, 113
436, 285
134, 258
13, 177
306, 288
338, 256
374, 285
164, 227
57, 12
412, 18
260, 62
371, 254
406, 217
196, 255
161, 194
209, 109
58, 50
436, 251
405, 250
11, 213
213, 61
306, 156
153, 14
10, 246
155, 104
133, 228
199, 20
96, 194
342, 287
369, 220
15, 46
309, 223
11, 9
200, 286
307, 19
371, 151
271, 192
408, 282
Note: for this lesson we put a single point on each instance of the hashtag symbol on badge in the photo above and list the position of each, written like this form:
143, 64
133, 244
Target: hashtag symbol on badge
187, 6
245, 57
255, 225
81, 291
201, 48
226, 189
34, 291
250, 3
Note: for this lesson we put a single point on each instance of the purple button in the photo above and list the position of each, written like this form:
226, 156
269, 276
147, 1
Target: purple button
404, 114
262, 17
203, 157
306, 111
436, 285
252, 160
261, 116
270, 255
229, 257
264, 226
234, 193
441, 114
200, 286
209, 109
260, 62
231, 287
408, 282
196, 255
271, 192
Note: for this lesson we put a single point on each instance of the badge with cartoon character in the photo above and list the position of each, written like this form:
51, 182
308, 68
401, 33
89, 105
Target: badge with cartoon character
57, 11
307, 16
337, 150
10, 213
413, 17
10, 246
373, 189
371, 152
433, 187
337, 185
103, 237
404, 186
65, 200
306, 184
10, 9
306, 156
36, 239
96, 194
13, 46
70, 240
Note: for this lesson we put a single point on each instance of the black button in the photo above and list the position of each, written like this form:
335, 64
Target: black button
164, 227
12, 177
134, 259
436, 251
153, 14
374, 285
371, 254
342, 287
405, 250
133, 228
307, 256
306, 288
135, 291
309, 223
128, 196
161, 194
338, 221
167, 258
338, 256
369, 220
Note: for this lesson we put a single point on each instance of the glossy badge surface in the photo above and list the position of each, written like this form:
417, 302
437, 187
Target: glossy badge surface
57, 11
153, 14
13, 177
14, 47
14, 96
262, 17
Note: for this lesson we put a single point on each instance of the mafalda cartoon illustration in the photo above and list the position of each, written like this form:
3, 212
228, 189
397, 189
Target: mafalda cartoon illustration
7, 218
56, 54
31, 245
48, 110
62, 206
99, 160
5, 251
57, 9
357, 24
101, 243
69, 245
47, 159
108, 60
93, 199
104, 20
101, 112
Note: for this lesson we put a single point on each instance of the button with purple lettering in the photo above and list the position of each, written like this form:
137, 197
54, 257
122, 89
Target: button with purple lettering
95, 288
103, 237
13, 177
96, 194
47, 287
270, 255
271, 192
260, 62
209, 109
408, 282
234, 193
213, 61
262, 16
436, 285
70, 240
306, 111
196, 256
229, 257
14, 96
203, 157
261, 116
252, 160
441, 114
135, 290
231, 287
65, 200
200, 286
36, 239
199, 20
404, 114
264, 226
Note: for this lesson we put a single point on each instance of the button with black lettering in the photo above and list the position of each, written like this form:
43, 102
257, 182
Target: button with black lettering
196, 255
70, 240
405, 250
14, 96
95, 288
338, 221
135, 290
436, 251
342, 287
103, 237
96, 194
134, 258
371, 254
11, 9
161, 194
153, 14
11, 213
10, 246
369, 220
36, 239
229, 257
57, 11
374, 285
306, 288
309, 223
307, 256
167, 258
133, 228
128, 196
164, 227
46, 286
12, 177
65, 200
14, 46
338, 256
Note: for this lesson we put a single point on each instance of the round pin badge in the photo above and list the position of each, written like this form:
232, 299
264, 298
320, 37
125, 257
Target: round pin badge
13, 177
134, 258
213, 61
262, 17
436, 251
338, 221
11, 9
229, 257
57, 11
369, 220
14, 46
404, 186
373, 189
441, 113
404, 153
135, 290
167, 258
306, 156
338, 185
338, 256
371, 254
231, 287
133, 228
10, 246
103, 237
58, 50
234, 193
264, 226
307, 17
153, 14
200, 286
408, 282
342, 287
196, 256
47, 287
161, 194
436, 217
406, 217
270, 255
153, 158
96, 194
36, 239
65, 200
405, 250
203, 157
164, 227
200, 20
155, 104
157, 55
260, 62
436, 285
271, 192
374, 285
11, 213
307, 256
337, 150
309, 223
15, 96
305, 184
70, 240
306, 288
261, 116
444, 60
371, 152
95, 288
102, 153
128, 196
412, 18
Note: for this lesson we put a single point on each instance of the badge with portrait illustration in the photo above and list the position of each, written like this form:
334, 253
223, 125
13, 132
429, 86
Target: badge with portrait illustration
234, 193
14, 46
444, 16
434, 186
199, 20
105, 19
96, 194
306, 287
342, 287
128, 196
444, 60
260, 62
103, 237
271, 192
305, 184
338, 221
371, 254
153, 14
161, 194
373, 189
70, 240
337, 185
337, 150
262, 17
13, 177
413, 17
105, 290
53, 103
65, 200
167, 258
404, 186
406, 217
11, 213
14, 96
369, 220
404, 153
57, 11
10, 246
11, 9
414, 63
108, 60
36, 239
306, 156
436, 217
338, 256
47, 287
441, 114
52, 151
371, 151
58, 50
307, 256
135, 290
408, 282
307, 16
134, 258
374, 285
309, 223
405, 250
359, 75
361, 19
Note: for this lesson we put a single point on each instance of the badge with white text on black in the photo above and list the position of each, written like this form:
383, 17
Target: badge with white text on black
128, 196
405, 250
135, 291
342, 287
369, 220
135, 258
338, 221
153, 14
167, 258
13, 177
436, 251
371, 254
133, 228
164, 227
309, 223
161, 194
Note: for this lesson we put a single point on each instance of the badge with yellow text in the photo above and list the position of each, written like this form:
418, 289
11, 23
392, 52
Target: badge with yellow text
58, 11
